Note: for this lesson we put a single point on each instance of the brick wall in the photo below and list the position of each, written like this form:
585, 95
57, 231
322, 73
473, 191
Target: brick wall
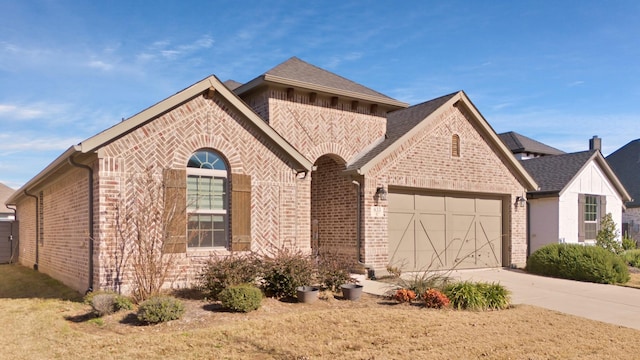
317, 127
631, 216
280, 199
333, 211
425, 161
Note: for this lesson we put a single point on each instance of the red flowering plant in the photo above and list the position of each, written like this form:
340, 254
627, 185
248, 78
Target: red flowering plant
434, 299
404, 296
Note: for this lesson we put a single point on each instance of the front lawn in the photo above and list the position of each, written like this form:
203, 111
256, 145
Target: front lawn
37, 327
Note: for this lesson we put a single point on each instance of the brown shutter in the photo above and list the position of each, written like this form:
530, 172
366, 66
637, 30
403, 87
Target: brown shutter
581, 204
175, 205
240, 212
602, 208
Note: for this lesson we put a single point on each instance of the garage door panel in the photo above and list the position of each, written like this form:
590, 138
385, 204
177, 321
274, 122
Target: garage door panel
450, 231
431, 241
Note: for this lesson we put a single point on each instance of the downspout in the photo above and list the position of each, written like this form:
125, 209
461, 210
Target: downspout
35, 265
15, 218
368, 267
91, 234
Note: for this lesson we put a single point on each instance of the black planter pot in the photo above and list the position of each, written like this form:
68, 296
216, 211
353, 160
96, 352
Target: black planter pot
307, 294
351, 291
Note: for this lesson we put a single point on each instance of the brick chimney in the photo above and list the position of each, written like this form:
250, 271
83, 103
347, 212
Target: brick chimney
595, 143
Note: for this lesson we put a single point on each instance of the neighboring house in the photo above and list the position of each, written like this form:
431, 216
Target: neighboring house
576, 191
8, 227
298, 157
524, 147
626, 164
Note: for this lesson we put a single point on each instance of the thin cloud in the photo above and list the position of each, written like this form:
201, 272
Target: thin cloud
575, 83
99, 64
17, 112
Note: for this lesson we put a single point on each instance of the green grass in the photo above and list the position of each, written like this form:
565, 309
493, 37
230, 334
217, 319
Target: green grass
19, 282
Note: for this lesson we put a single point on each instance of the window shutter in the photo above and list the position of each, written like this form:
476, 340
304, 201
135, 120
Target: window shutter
175, 205
602, 208
240, 212
581, 205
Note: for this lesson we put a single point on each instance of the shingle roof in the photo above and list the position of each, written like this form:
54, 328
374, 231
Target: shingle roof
553, 173
232, 84
399, 122
518, 143
625, 162
296, 69
5, 193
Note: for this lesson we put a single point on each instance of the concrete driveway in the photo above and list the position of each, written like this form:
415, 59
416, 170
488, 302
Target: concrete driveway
607, 303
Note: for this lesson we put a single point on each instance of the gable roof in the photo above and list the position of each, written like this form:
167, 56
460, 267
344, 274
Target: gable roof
518, 143
5, 193
625, 162
405, 123
208, 85
554, 173
297, 73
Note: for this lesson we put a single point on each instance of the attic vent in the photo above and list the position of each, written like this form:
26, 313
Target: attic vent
455, 145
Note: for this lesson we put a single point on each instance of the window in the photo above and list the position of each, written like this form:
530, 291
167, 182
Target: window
207, 200
455, 145
591, 209
590, 217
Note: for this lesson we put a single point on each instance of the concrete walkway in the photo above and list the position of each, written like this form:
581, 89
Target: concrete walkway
607, 303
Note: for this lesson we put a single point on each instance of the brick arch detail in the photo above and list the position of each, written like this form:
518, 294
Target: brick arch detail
190, 145
329, 148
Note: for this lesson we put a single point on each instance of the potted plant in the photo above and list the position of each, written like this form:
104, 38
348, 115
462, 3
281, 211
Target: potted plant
307, 294
351, 291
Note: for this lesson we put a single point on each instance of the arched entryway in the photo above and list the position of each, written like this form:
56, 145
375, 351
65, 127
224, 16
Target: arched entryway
333, 210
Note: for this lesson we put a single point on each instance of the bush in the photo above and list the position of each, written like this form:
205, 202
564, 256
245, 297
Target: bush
333, 272
159, 309
466, 295
628, 243
420, 282
227, 271
241, 298
434, 299
632, 258
607, 235
285, 271
107, 302
404, 296
577, 262
496, 296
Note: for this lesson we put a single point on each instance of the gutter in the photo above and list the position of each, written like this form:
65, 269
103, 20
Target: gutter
37, 217
91, 233
359, 230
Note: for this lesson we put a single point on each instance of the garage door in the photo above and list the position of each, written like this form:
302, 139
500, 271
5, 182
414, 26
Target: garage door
444, 232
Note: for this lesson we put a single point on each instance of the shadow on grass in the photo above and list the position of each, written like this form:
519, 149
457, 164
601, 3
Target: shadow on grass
20, 282
81, 318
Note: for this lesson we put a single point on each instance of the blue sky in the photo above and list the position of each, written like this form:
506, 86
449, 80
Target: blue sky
557, 71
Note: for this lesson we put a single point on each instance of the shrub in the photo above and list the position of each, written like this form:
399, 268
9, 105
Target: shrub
434, 299
628, 243
466, 295
496, 296
404, 296
159, 309
607, 235
577, 262
333, 272
107, 302
241, 298
420, 282
632, 257
285, 271
231, 270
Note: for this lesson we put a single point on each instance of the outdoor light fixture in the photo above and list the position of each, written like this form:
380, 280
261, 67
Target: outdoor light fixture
381, 193
520, 201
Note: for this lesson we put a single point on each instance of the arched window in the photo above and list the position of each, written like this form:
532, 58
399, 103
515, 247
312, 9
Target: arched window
455, 145
207, 200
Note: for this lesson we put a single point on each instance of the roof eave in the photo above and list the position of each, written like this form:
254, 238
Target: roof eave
268, 78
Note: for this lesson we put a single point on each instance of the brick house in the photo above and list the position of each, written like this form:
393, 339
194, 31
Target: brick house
300, 158
625, 162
